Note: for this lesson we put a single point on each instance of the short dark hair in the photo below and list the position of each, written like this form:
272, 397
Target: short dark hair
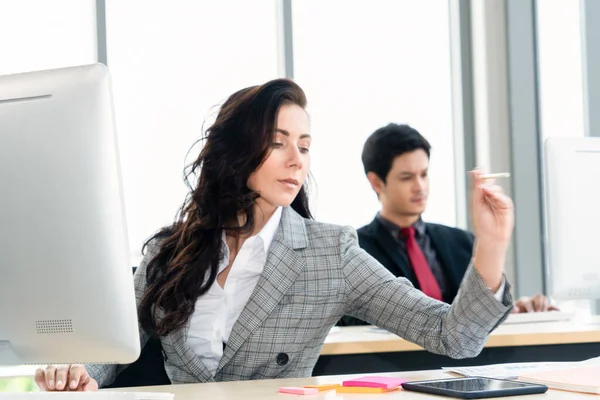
389, 142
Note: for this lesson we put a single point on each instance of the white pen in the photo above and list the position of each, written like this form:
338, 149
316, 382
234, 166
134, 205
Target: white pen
494, 176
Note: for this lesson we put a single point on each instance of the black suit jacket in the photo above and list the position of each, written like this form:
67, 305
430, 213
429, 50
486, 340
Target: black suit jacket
453, 248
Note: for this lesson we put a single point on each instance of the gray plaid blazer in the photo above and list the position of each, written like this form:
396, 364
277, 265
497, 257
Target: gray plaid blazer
314, 274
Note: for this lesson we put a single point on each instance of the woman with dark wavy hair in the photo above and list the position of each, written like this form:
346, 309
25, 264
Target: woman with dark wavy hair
246, 285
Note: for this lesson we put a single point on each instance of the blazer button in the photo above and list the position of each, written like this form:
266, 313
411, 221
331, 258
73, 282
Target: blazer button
282, 359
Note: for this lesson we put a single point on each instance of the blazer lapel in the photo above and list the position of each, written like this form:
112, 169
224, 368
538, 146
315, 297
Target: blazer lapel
281, 269
175, 345
390, 246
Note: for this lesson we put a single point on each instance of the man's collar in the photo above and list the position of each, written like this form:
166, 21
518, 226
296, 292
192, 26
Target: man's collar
419, 225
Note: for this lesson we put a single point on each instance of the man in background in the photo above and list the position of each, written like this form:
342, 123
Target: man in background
433, 257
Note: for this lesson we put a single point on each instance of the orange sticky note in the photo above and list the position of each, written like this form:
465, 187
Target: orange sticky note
386, 382
324, 387
362, 389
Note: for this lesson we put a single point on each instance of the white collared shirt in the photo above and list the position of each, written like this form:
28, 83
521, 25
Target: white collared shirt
499, 295
217, 310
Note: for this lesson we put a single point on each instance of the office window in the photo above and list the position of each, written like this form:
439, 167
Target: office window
363, 65
41, 34
560, 68
172, 63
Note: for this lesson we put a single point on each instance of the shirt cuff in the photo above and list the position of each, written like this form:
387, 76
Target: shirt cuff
499, 295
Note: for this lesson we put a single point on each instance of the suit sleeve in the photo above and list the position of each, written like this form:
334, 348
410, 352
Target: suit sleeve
376, 296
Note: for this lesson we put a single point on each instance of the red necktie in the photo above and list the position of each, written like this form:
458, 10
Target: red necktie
427, 281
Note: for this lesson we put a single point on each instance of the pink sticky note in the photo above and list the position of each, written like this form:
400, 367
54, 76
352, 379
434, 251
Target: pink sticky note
298, 390
385, 382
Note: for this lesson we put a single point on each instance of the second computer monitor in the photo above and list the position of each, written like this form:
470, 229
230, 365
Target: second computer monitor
572, 209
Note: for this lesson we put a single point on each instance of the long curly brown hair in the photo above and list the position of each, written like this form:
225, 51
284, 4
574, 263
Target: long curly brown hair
234, 147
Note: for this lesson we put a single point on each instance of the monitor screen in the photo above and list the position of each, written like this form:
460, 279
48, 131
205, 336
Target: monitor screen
572, 196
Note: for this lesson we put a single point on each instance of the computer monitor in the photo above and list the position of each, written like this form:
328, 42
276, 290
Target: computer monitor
572, 208
66, 288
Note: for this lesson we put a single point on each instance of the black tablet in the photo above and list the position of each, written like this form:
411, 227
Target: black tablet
474, 388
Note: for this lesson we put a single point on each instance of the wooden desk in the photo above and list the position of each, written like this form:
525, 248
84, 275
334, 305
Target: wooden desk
267, 389
366, 349
368, 339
